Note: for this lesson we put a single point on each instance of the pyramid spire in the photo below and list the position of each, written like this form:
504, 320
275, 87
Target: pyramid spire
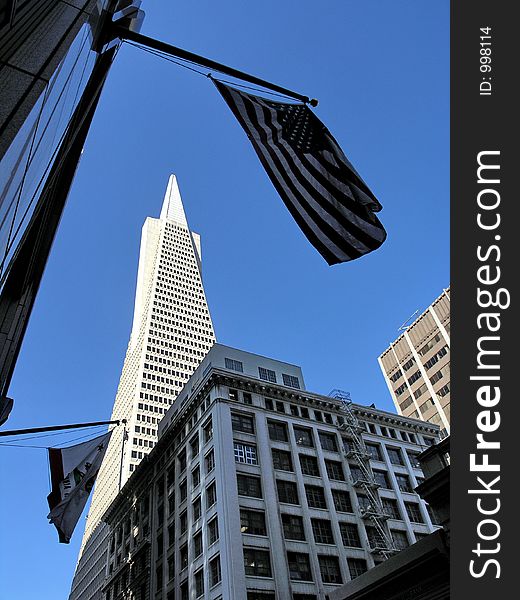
172, 207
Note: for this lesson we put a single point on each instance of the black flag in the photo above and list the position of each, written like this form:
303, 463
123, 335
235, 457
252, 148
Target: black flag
326, 196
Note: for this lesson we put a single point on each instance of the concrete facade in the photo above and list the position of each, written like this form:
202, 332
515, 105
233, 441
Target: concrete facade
416, 367
171, 333
252, 491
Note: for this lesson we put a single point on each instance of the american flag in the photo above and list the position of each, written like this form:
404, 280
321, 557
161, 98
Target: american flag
324, 193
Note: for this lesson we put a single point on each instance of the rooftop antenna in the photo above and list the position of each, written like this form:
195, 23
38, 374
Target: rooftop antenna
407, 323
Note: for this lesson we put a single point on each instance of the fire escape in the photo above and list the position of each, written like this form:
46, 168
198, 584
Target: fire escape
379, 538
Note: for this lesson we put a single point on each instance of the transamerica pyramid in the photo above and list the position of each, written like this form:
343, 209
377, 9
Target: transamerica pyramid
171, 333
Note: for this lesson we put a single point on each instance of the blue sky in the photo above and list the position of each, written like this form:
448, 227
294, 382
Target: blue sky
380, 71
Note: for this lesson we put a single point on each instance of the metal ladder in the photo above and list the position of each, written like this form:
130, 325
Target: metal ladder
372, 511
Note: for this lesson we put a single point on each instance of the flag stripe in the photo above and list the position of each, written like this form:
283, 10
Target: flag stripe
327, 200
292, 205
349, 233
280, 171
324, 214
320, 188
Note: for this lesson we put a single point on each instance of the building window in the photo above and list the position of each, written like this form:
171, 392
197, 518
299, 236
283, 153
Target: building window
208, 431
277, 431
194, 446
356, 473
396, 376
375, 538
183, 490
245, 453
375, 451
183, 552
211, 495
400, 390
234, 365
329, 569
444, 391
381, 477
400, 539
212, 531
418, 393
303, 437
199, 583
350, 535
248, 485
257, 562
356, 566
195, 477
197, 509
280, 407
322, 530
299, 566
197, 544
248, 399
182, 460
394, 454
414, 512
309, 465
287, 492
252, 522
414, 459
403, 482
315, 496
210, 461
268, 404
408, 365
414, 377
328, 441
282, 460
241, 422
390, 508
256, 595
215, 574
185, 592
291, 381
267, 374
233, 395
342, 501
334, 470
293, 527
183, 522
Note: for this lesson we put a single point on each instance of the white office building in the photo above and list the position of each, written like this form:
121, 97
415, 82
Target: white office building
261, 490
171, 333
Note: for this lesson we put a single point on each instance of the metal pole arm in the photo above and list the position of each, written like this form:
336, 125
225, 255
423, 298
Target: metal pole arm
58, 427
132, 36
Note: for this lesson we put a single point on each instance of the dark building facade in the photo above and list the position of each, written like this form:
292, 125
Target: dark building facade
53, 65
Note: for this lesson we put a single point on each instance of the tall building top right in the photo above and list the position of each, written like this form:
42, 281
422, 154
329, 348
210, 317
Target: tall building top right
416, 366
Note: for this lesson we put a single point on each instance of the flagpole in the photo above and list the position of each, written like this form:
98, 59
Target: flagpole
59, 427
133, 36
125, 437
